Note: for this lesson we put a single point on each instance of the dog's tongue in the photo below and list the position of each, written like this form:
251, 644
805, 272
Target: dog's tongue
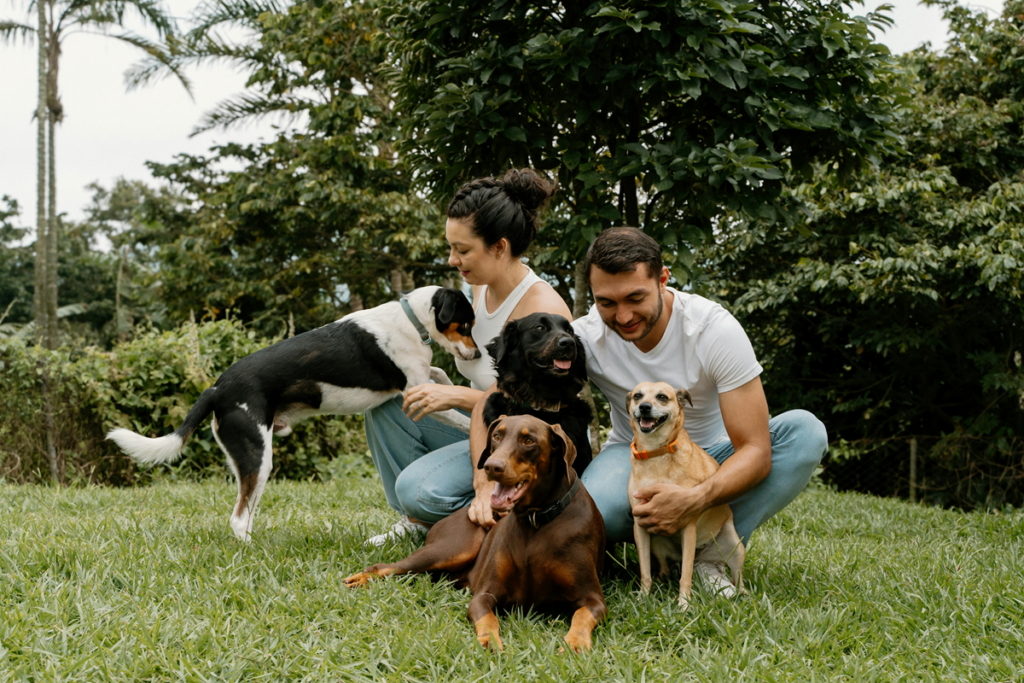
501, 496
563, 364
647, 422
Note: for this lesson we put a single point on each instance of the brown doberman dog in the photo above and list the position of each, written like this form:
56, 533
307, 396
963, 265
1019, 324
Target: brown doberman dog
548, 551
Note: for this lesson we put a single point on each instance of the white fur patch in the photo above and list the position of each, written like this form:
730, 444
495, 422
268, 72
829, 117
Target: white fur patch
145, 450
349, 400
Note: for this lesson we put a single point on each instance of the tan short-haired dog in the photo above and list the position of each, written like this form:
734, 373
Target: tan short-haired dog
664, 454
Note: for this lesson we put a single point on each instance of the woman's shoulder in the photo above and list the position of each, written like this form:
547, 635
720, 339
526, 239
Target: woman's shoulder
541, 298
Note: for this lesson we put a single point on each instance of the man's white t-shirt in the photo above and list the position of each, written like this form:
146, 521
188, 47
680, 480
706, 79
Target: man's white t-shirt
704, 350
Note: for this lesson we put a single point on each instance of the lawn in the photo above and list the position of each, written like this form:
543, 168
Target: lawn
149, 584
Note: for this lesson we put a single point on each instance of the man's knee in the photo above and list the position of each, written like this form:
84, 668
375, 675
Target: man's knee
804, 437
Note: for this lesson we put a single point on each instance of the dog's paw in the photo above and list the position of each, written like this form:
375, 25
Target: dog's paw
577, 642
683, 602
359, 580
490, 641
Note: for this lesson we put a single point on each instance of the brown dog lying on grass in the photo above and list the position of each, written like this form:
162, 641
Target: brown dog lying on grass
547, 551
664, 453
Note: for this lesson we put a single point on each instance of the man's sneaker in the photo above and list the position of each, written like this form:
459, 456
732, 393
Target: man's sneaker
402, 528
715, 579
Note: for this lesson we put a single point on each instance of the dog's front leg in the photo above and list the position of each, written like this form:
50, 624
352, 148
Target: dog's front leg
688, 536
452, 418
481, 613
584, 620
439, 376
643, 549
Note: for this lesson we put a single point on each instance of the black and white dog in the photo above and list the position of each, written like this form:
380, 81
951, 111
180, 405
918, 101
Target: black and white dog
346, 367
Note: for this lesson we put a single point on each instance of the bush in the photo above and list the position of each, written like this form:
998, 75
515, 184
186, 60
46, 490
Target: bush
147, 385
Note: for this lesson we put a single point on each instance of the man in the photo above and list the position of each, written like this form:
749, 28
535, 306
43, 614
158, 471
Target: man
641, 330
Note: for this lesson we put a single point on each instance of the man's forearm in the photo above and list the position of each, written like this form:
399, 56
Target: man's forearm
742, 471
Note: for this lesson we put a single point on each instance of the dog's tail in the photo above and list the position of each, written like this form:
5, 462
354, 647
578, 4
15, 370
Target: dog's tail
165, 448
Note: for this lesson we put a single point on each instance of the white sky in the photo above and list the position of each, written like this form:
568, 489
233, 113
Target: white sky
108, 132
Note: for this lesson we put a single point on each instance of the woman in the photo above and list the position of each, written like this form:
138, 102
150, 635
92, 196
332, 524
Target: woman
425, 466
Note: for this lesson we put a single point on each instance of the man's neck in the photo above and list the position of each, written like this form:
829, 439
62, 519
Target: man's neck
647, 344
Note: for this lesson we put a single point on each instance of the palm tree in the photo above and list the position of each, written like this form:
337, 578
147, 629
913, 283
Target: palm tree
58, 19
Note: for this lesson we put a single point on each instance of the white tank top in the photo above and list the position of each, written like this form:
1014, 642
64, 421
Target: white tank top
480, 372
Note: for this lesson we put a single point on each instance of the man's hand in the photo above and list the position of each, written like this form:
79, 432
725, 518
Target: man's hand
480, 512
664, 509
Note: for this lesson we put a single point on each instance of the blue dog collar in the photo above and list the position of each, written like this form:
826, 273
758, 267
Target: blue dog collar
424, 335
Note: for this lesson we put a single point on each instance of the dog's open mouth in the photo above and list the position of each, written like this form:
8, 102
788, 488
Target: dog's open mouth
648, 424
505, 496
558, 366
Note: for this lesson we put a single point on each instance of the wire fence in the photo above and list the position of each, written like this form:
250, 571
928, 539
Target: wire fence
968, 472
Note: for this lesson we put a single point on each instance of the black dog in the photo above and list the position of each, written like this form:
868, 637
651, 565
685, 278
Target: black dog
542, 367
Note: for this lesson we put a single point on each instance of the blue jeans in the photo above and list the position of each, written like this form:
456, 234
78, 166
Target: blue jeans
424, 466
426, 471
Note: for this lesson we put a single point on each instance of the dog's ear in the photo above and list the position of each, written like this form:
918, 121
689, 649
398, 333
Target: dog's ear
486, 453
445, 301
567, 447
683, 395
629, 402
505, 343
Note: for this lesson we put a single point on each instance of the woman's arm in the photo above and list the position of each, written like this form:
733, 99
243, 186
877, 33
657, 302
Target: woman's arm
425, 399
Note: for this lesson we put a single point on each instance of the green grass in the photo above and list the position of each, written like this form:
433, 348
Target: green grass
149, 584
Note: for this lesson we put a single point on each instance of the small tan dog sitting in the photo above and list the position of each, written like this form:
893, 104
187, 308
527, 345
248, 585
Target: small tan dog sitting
664, 453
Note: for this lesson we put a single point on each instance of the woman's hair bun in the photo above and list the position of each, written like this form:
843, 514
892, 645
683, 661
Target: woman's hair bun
528, 188
504, 209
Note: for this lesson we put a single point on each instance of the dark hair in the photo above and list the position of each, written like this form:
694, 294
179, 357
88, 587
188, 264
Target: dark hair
504, 208
618, 250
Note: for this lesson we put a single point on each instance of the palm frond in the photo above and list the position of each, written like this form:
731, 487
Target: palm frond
157, 54
186, 52
108, 13
210, 14
245, 107
10, 31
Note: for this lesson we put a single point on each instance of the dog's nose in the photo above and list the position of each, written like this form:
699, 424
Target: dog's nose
645, 408
494, 467
566, 342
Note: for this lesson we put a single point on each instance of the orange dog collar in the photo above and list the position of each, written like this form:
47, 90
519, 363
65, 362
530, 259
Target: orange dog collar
643, 455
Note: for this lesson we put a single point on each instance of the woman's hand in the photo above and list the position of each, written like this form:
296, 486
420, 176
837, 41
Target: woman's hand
480, 512
424, 399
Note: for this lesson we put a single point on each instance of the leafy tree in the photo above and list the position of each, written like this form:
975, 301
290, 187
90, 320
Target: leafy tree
893, 309
662, 115
317, 218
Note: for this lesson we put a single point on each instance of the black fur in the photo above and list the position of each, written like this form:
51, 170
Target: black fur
530, 384
450, 305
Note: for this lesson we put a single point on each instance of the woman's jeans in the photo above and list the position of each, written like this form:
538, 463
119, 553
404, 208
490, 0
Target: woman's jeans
427, 474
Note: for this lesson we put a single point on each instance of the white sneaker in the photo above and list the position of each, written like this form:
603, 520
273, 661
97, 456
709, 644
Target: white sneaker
402, 528
715, 579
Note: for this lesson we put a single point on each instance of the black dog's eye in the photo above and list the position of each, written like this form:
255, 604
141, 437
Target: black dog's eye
496, 437
528, 441
663, 398
539, 328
